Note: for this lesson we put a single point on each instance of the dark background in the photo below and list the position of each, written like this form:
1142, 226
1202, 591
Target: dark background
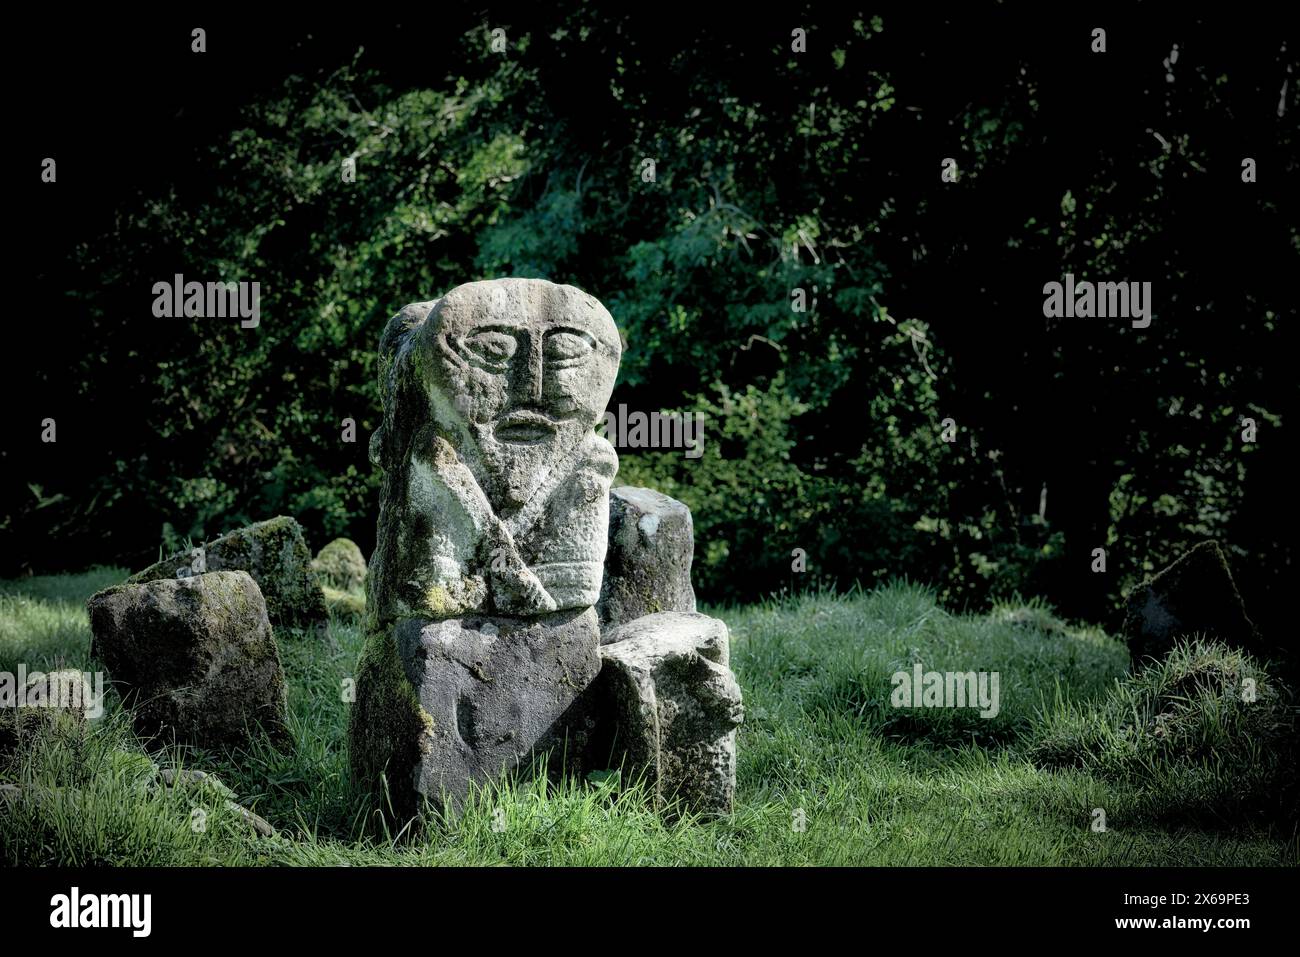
857, 478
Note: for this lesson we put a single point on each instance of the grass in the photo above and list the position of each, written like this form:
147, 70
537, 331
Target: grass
828, 774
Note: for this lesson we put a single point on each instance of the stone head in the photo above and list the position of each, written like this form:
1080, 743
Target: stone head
518, 372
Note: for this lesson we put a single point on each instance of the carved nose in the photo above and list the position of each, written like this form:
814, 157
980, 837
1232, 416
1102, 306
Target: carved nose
530, 375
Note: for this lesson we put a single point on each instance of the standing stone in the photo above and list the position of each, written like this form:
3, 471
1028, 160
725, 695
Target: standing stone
192, 657
648, 566
492, 533
666, 682
1193, 596
274, 553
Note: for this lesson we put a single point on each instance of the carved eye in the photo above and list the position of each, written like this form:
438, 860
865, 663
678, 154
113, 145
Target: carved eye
491, 348
568, 348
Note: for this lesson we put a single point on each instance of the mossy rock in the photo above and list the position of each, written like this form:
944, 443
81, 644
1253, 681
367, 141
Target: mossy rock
1195, 595
348, 606
54, 711
340, 565
386, 727
193, 658
274, 553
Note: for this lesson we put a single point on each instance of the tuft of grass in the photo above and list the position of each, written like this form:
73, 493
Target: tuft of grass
98, 803
1206, 729
307, 786
43, 619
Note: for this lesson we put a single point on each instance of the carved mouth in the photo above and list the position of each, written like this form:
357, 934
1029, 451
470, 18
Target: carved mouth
524, 427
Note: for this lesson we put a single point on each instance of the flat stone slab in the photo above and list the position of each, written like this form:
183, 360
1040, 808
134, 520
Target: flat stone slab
193, 658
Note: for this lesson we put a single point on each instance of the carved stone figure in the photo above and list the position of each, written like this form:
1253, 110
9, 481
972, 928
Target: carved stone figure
482, 631
495, 484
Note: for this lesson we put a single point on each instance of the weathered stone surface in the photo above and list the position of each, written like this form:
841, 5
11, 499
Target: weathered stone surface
274, 553
492, 532
648, 564
1194, 595
495, 488
193, 657
665, 705
340, 565
468, 698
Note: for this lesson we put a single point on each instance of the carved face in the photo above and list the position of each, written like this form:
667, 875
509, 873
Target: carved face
521, 370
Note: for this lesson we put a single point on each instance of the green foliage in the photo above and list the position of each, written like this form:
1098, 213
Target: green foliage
774, 172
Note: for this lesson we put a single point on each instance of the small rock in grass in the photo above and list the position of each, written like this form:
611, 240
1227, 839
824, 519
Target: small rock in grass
340, 565
274, 553
1196, 595
54, 703
193, 658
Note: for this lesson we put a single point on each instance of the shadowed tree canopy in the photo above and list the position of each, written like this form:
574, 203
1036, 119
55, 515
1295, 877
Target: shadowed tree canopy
701, 178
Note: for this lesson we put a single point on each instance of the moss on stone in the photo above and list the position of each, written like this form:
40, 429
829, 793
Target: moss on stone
438, 602
275, 554
340, 565
194, 659
430, 726
387, 721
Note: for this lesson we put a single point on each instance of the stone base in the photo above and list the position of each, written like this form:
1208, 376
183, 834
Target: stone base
441, 704
665, 706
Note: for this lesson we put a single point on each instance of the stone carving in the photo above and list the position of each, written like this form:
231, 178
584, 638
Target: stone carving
495, 484
482, 631
492, 529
